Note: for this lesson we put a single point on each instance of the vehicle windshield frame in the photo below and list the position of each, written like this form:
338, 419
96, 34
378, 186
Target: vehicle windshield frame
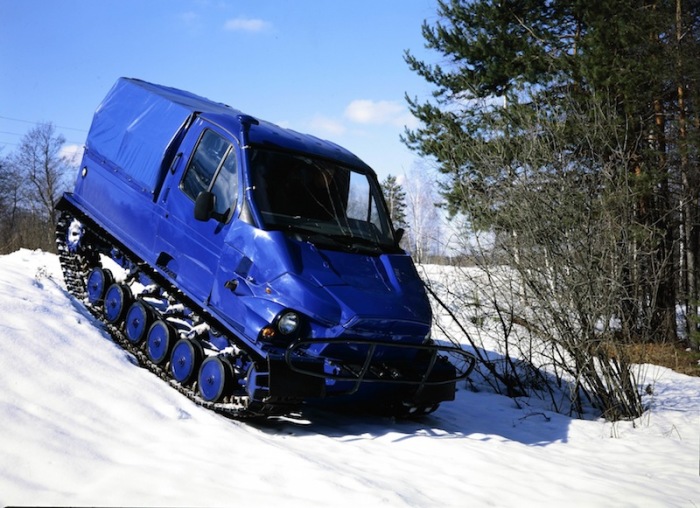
319, 200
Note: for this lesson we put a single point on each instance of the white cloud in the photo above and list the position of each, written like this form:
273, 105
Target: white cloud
72, 153
379, 112
192, 21
367, 111
285, 124
190, 17
242, 24
324, 126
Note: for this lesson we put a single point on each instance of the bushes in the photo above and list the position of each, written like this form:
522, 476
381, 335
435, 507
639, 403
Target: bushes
530, 350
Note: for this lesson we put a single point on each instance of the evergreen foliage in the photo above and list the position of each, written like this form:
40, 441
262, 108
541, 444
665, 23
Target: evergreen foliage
395, 198
570, 130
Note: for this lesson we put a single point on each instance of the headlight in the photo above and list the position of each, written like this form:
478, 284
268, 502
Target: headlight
288, 323
286, 326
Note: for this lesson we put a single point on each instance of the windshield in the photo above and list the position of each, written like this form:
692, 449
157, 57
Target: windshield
321, 200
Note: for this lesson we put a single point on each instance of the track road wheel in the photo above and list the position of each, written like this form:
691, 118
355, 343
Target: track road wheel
137, 322
98, 280
215, 378
160, 339
185, 360
117, 300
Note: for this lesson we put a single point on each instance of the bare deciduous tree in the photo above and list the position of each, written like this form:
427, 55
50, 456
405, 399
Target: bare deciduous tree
34, 178
562, 281
422, 215
10, 211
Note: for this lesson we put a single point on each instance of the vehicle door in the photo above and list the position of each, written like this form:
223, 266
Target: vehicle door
191, 247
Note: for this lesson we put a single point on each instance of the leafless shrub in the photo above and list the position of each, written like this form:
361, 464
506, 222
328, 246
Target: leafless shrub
565, 280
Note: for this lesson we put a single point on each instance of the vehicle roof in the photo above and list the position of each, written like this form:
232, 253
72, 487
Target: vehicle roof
260, 132
138, 122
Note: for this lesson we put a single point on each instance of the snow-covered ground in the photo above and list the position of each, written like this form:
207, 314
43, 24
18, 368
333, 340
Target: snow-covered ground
80, 424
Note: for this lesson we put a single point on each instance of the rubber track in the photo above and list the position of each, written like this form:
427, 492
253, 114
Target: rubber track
76, 267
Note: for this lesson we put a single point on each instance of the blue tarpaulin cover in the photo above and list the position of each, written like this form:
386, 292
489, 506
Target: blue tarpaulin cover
136, 122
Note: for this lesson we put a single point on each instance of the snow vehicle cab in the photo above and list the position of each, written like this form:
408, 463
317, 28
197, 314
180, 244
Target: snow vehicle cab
253, 267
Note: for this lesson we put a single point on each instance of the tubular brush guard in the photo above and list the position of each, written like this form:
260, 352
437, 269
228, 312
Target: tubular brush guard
427, 371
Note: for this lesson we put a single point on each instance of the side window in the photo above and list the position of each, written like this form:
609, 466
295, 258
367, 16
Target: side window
225, 186
362, 204
213, 167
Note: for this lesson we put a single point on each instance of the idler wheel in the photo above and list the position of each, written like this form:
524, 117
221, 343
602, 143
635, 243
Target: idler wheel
98, 280
215, 378
137, 322
185, 360
117, 300
160, 339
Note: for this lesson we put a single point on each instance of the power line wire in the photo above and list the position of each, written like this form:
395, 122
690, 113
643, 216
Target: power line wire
66, 144
37, 123
20, 134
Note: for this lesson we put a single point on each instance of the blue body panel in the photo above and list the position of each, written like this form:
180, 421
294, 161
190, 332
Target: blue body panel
242, 272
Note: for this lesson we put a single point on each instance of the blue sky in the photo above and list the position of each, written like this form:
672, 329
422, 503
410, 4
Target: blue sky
332, 68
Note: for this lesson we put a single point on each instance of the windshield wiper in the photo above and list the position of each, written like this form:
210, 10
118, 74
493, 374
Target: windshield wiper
334, 241
358, 243
314, 237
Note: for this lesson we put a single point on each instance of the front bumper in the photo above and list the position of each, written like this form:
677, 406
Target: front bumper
417, 374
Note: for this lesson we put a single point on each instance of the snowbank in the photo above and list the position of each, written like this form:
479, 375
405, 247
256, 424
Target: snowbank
80, 424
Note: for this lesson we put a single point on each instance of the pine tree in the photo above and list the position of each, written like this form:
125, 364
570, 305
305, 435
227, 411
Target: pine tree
511, 66
396, 201
571, 130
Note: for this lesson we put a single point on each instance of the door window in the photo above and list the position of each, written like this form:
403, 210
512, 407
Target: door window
213, 168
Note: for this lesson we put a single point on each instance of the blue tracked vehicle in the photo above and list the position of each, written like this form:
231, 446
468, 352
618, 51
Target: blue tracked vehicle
253, 268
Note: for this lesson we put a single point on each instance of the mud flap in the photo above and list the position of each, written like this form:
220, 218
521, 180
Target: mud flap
287, 383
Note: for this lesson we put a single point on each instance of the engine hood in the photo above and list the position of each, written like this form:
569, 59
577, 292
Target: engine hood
345, 292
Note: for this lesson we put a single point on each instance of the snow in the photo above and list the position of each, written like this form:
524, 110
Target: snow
81, 424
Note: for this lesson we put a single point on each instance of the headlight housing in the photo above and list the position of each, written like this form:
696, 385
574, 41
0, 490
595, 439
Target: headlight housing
288, 322
286, 325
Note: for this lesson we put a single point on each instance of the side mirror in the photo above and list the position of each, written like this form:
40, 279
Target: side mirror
204, 206
398, 235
